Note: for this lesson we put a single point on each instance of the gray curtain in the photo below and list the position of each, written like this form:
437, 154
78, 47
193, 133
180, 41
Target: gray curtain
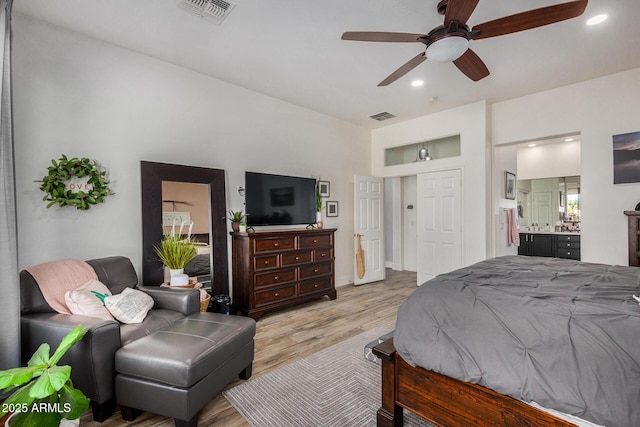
9, 292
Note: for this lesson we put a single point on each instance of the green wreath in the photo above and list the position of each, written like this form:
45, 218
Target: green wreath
54, 183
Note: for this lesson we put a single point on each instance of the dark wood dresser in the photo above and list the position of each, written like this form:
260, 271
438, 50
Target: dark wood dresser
634, 237
276, 269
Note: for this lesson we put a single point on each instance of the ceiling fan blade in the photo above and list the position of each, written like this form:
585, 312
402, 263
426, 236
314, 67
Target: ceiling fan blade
375, 36
459, 10
472, 66
531, 19
410, 65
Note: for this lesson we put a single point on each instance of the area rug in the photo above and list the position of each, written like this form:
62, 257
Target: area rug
333, 387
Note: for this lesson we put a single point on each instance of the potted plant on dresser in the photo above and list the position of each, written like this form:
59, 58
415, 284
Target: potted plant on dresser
43, 394
236, 217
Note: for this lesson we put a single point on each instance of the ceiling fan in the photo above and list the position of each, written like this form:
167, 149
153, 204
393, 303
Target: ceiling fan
450, 41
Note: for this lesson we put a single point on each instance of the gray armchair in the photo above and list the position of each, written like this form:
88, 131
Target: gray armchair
93, 359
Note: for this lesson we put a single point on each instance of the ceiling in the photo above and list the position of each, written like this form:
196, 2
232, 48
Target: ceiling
291, 50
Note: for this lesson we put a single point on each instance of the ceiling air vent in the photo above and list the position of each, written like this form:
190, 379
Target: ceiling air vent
382, 116
211, 10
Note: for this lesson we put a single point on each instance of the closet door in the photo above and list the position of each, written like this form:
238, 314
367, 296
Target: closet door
439, 223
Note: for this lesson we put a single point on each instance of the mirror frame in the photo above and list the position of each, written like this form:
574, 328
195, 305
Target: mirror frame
152, 175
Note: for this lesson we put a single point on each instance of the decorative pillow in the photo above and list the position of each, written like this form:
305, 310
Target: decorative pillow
88, 300
130, 306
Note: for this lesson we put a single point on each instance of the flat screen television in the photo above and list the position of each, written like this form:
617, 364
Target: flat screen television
279, 199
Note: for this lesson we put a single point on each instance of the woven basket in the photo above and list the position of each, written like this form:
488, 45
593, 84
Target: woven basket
204, 303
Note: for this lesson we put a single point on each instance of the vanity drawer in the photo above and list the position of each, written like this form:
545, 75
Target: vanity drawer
315, 285
275, 295
264, 262
297, 257
316, 269
568, 238
274, 277
315, 241
569, 253
274, 244
568, 244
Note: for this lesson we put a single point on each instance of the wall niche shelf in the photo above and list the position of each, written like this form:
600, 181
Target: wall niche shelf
435, 149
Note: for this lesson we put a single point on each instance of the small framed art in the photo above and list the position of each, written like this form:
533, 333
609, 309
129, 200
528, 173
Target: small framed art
324, 188
332, 209
510, 185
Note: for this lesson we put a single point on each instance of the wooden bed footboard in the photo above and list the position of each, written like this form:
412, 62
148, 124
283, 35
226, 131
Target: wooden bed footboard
444, 401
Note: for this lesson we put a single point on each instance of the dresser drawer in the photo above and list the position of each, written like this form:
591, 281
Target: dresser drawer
316, 269
274, 244
296, 257
315, 285
275, 295
274, 277
322, 254
315, 241
264, 262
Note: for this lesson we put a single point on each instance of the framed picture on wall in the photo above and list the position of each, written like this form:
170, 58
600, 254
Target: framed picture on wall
332, 209
324, 188
625, 158
510, 185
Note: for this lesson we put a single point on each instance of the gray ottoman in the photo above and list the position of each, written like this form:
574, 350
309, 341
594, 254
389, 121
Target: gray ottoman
176, 371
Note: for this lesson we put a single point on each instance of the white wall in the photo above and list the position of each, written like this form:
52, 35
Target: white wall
597, 109
410, 222
504, 161
83, 97
472, 124
549, 161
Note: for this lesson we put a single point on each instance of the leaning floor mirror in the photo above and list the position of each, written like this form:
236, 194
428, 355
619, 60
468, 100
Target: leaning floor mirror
193, 198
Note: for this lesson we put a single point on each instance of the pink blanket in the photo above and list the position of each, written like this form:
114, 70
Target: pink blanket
55, 278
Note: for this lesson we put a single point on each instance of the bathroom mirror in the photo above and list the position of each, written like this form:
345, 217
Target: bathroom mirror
172, 194
549, 201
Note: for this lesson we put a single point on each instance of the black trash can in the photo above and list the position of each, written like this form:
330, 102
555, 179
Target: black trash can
221, 304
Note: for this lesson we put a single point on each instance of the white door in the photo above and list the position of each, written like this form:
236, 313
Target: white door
439, 223
368, 224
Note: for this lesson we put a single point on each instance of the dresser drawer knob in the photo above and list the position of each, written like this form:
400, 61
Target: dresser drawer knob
276, 277
315, 270
568, 244
315, 240
315, 286
276, 244
568, 253
297, 258
323, 254
266, 262
276, 294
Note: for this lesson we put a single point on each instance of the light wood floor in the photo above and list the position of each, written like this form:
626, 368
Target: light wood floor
285, 336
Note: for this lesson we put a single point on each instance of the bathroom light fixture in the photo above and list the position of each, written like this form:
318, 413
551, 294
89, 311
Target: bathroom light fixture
531, 145
597, 19
447, 49
417, 83
568, 139
423, 154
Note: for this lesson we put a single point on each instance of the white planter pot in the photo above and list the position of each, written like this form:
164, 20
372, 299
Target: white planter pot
319, 220
168, 272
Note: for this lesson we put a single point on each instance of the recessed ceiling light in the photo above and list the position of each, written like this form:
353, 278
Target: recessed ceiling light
417, 83
568, 139
597, 19
531, 145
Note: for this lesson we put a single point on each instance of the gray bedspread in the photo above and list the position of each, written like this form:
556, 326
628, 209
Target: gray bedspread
562, 333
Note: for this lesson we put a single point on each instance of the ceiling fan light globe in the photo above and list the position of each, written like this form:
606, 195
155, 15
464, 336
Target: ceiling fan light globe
447, 49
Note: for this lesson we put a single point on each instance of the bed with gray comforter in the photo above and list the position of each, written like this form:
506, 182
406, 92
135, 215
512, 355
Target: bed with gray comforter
561, 333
